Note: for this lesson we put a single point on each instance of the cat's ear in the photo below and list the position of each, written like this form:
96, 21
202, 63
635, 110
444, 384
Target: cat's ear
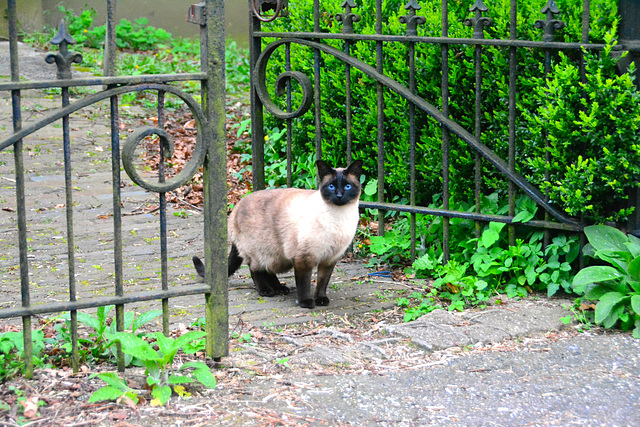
324, 169
355, 169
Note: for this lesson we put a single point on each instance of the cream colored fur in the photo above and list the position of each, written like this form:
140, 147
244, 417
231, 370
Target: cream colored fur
272, 227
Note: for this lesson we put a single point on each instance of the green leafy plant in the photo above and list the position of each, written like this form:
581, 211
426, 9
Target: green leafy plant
579, 313
616, 286
97, 345
12, 352
161, 377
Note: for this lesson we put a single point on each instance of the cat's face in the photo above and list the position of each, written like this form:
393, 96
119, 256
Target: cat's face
340, 186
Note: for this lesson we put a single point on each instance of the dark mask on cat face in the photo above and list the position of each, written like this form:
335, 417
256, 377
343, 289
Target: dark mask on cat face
340, 186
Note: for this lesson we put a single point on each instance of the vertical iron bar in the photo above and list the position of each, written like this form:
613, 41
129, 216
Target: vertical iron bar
117, 220
478, 132
348, 113
412, 144
257, 111
20, 199
445, 132
629, 31
380, 111
289, 121
586, 9
215, 185
70, 235
317, 87
110, 40
164, 265
513, 34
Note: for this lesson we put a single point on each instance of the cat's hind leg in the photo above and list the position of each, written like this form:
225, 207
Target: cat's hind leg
267, 283
276, 285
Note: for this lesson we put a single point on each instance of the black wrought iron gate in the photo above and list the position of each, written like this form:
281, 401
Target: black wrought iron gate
334, 34
210, 152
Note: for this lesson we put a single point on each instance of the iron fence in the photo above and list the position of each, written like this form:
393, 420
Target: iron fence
210, 152
336, 34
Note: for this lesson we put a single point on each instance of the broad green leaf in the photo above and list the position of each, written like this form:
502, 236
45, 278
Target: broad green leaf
106, 393
114, 380
552, 289
165, 344
89, 320
188, 337
205, 377
605, 238
489, 237
371, 188
102, 314
635, 303
144, 318
594, 292
617, 313
202, 373
633, 245
606, 304
634, 269
523, 216
135, 346
162, 393
179, 379
594, 274
481, 284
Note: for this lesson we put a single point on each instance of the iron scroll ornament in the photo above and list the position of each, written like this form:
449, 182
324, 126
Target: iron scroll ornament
278, 7
260, 77
422, 104
199, 152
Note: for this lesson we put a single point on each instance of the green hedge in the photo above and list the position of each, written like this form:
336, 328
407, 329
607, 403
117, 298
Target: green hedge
591, 127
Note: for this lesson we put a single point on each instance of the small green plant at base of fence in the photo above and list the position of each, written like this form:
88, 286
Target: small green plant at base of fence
12, 352
158, 367
579, 314
97, 345
616, 287
488, 266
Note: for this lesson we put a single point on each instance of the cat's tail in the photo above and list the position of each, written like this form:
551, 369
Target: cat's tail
234, 262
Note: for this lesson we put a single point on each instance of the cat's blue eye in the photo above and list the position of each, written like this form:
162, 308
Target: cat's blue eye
331, 187
347, 187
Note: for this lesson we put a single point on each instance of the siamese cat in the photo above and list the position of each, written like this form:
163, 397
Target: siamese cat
274, 231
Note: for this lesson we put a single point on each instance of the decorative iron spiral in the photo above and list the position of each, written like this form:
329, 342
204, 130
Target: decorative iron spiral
260, 78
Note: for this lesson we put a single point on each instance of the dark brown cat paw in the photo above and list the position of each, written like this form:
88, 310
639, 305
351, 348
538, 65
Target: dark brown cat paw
267, 292
322, 301
282, 290
307, 303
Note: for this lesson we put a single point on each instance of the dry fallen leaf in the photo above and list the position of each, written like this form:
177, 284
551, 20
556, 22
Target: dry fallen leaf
30, 407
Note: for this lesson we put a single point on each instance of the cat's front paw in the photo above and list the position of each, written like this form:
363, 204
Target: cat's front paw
322, 301
307, 303
282, 290
267, 292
